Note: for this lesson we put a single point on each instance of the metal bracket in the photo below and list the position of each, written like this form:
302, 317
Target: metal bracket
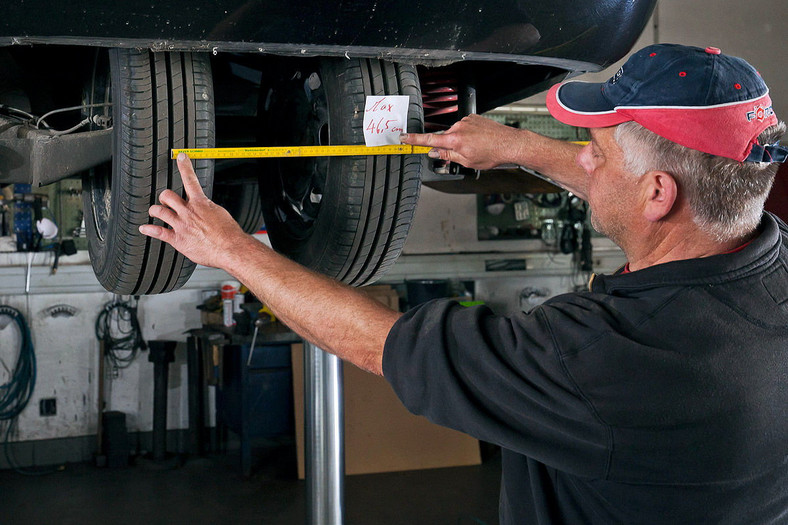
32, 156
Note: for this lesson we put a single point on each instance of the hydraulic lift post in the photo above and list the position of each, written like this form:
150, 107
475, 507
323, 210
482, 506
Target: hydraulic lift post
324, 432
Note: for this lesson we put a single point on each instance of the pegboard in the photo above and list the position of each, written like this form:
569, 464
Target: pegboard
63, 206
540, 123
23, 220
66, 199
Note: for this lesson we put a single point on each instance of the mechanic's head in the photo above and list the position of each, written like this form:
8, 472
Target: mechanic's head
701, 116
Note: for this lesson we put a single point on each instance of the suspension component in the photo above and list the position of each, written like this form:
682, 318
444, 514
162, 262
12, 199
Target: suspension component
440, 98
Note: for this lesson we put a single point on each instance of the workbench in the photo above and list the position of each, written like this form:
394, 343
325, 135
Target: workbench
254, 396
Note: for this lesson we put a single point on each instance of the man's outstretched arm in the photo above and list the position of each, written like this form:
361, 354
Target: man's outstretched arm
480, 143
333, 316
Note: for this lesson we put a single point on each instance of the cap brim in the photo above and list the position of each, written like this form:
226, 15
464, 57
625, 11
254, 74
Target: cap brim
582, 104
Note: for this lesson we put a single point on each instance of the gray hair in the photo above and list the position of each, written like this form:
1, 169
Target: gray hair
725, 196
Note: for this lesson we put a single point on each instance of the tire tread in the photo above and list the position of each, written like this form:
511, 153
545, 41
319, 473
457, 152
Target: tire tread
165, 100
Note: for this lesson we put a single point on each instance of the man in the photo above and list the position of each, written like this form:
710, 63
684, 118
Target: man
658, 396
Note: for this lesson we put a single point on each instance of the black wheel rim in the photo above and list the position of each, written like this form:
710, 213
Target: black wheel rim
101, 200
301, 107
100, 187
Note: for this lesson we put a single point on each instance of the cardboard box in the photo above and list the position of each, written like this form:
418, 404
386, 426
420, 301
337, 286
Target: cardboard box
380, 434
383, 293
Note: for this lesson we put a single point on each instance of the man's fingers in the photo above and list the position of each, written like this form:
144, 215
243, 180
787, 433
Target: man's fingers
190, 181
172, 200
164, 213
447, 154
157, 232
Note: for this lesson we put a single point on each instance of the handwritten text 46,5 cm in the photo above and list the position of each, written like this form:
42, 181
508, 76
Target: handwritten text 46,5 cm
383, 125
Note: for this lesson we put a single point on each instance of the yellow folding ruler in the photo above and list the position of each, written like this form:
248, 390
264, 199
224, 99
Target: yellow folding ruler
299, 151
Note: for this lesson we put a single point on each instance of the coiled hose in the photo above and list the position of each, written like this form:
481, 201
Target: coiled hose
16, 393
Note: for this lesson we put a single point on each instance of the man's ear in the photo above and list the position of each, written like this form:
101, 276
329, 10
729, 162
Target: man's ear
660, 193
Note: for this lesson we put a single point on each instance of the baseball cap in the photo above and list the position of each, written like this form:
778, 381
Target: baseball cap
699, 98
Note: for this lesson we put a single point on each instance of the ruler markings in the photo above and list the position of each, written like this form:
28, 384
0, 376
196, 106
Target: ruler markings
299, 151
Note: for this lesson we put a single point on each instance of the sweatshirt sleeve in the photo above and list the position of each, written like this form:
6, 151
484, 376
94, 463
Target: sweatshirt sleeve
497, 379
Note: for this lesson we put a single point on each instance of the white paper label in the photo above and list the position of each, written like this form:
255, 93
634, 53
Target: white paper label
385, 117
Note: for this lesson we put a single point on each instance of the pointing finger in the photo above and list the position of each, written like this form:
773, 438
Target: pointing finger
190, 181
434, 140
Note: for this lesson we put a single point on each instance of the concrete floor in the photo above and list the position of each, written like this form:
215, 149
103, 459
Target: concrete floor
211, 490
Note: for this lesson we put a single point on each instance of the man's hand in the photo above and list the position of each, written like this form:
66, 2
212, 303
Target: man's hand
475, 142
201, 230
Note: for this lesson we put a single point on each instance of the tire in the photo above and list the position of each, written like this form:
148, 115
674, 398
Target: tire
345, 217
242, 200
159, 101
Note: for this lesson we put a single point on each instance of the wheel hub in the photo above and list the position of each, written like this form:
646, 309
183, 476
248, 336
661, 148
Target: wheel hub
305, 120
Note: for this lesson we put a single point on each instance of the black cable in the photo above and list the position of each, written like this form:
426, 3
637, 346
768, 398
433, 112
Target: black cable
118, 327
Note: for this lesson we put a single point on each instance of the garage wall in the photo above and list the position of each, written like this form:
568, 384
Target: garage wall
67, 364
756, 30
66, 358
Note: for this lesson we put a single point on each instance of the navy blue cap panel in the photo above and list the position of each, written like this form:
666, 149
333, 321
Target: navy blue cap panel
742, 82
667, 75
586, 97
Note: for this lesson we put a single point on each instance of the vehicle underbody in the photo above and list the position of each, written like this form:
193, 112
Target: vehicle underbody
108, 102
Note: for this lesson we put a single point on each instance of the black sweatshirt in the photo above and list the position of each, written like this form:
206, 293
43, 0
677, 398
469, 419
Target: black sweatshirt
659, 396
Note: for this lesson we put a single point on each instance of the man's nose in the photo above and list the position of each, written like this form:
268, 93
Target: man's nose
584, 158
